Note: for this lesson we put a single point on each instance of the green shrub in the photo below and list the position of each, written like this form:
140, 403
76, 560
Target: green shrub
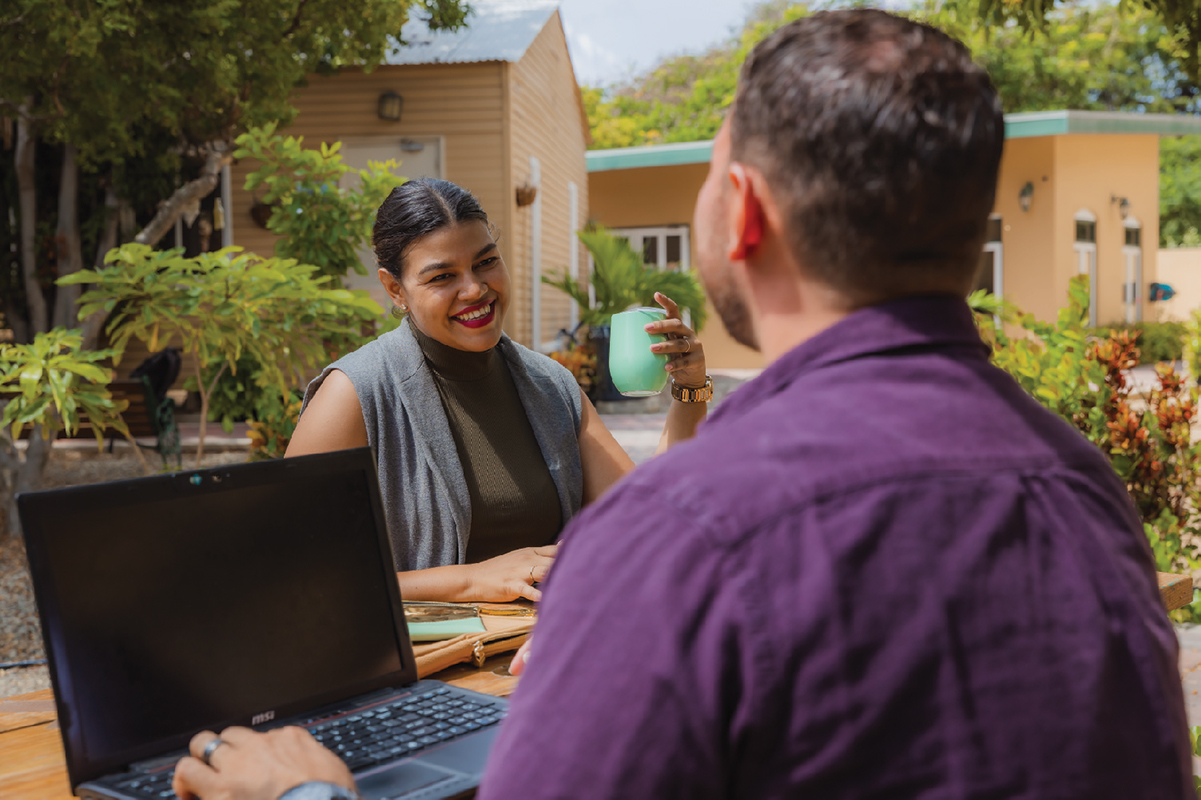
1156, 341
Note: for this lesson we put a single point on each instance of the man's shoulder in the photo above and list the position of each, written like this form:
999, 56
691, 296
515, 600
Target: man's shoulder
808, 444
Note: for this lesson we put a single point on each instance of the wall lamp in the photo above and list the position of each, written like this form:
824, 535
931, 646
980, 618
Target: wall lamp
390, 106
1026, 196
1123, 205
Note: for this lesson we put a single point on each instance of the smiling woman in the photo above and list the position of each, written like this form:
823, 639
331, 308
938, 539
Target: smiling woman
485, 449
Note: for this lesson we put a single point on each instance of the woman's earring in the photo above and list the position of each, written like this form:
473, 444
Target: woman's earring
403, 307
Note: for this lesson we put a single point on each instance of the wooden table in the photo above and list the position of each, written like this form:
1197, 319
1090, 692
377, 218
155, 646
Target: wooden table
33, 765
1176, 591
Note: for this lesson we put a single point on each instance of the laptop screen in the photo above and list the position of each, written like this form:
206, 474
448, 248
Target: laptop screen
196, 600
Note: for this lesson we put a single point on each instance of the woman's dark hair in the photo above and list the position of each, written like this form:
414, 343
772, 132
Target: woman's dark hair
416, 209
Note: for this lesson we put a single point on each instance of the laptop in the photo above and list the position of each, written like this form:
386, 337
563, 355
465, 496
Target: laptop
258, 594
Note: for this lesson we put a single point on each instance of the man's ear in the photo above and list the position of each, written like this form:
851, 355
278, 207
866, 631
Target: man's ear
392, 287
746, 215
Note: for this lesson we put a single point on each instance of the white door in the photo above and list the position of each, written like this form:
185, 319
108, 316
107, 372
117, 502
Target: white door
419, 157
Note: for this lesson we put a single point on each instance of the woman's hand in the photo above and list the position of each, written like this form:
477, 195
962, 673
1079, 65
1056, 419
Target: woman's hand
505, 578
686, 354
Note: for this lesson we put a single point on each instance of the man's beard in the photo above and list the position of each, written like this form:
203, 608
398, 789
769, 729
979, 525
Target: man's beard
733, 310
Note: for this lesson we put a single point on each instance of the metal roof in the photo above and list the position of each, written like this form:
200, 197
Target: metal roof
1017, 126
496, 30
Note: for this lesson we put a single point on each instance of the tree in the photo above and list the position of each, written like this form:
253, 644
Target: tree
46, 387
1181, 20
223, 305
117, 85
319, 219
1180, 191
1084, 56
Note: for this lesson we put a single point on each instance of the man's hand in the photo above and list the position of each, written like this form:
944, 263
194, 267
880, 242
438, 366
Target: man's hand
517, 665
256, 766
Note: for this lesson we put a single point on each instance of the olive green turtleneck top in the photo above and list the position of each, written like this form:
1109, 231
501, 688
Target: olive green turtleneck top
514, 502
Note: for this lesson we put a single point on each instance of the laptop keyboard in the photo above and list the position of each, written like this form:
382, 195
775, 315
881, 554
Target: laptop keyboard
404, 726
386, 732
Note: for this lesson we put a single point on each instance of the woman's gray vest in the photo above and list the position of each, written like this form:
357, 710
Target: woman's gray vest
425, 496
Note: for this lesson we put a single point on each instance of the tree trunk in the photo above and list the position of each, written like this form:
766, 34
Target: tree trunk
219, 154
29, 475
205, 393
94, 324
70, 252
27, 192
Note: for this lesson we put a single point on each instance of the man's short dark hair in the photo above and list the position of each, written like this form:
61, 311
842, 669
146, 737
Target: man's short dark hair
882, 139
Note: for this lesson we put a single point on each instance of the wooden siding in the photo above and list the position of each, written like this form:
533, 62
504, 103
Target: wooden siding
463, 103
545, 122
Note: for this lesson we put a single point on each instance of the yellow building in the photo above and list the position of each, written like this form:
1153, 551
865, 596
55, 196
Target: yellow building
1078, 193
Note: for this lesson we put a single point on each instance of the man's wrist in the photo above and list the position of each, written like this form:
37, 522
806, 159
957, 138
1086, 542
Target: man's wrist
320, 790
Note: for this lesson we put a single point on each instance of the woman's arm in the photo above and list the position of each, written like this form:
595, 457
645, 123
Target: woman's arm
603, 460
497, 580
332, 421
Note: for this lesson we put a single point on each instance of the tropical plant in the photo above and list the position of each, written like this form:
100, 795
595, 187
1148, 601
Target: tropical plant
1147, 440
620, 280
275, 422
48, 386
222, 306
322, 209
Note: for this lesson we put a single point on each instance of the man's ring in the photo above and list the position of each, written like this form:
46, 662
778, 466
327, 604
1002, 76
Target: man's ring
687, 345
209, 748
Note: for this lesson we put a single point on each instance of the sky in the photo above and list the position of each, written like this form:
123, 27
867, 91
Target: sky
611, 39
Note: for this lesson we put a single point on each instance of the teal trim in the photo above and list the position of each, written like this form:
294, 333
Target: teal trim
1017, 126
655, 155
1060, 123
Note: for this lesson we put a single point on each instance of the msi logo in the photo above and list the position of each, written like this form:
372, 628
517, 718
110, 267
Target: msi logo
259, 719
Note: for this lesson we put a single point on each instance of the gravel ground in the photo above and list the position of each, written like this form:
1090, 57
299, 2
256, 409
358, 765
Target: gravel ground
20, 635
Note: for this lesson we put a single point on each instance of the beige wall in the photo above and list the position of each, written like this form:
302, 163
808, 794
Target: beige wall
1089, 170
1180, 268
545, 120
461, 102
655, 196
1027, 237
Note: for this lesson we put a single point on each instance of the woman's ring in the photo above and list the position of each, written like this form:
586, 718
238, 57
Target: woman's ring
209, 748
532, 573
687, 345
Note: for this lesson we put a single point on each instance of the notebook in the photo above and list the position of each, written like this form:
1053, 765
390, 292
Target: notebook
258, 594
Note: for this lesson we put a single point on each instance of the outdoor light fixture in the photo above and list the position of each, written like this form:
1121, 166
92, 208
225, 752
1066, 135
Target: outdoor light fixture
1123, 205
390, 105
1026, 196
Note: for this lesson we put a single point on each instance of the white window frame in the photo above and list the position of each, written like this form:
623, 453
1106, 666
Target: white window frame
1132, 290
1086, 262
637, 236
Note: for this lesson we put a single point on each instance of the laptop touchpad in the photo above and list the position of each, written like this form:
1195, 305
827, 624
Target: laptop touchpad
400, 779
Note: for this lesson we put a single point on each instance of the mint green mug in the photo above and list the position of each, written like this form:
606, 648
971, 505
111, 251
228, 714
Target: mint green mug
635, 370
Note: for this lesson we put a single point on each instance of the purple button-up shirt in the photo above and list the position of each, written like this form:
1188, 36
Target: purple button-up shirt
881, 570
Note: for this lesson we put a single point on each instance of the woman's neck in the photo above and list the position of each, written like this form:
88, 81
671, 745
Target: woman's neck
452, 363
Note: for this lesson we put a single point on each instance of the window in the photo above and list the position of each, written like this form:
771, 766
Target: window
1132, 253
990, 273
1086, 257
666, 247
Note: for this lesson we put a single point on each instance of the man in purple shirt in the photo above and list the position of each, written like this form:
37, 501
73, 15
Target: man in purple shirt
881, 570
